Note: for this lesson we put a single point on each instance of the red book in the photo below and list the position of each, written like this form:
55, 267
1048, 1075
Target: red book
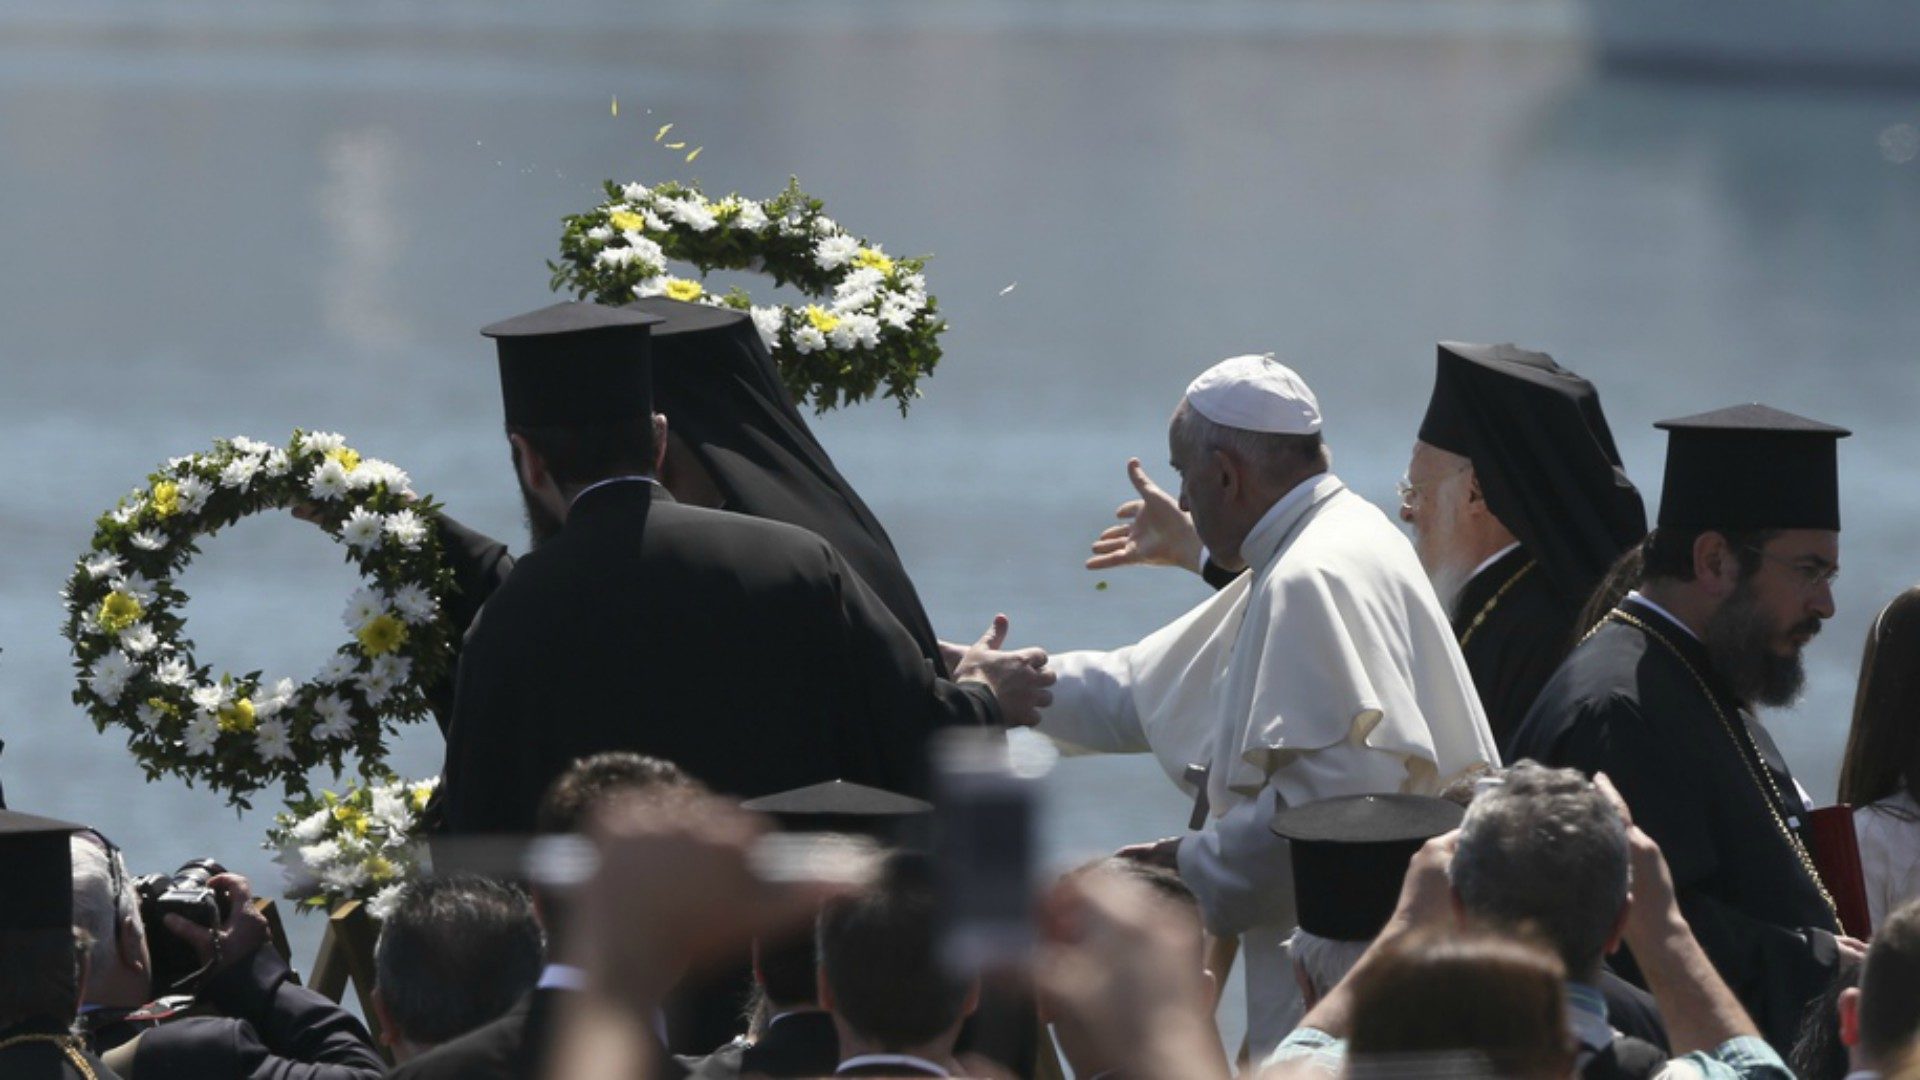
1836, 853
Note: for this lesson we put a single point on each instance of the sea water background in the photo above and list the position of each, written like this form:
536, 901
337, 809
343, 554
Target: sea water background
234, 219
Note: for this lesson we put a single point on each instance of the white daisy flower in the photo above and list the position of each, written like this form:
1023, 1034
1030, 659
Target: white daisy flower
173, 671
863, 280
751, 216
414, 604
110, 676
407, 529
793, 225
390, 808
865, 329
277, 463
329, 480
209, 698
339, 667
271, 741
344, 877
203, 731
653, 286
174, 464
335, 720
362, 529
312, 827
391, 669
148, 716
363, 607
634, 192
691, 212
270, 698
247, 445
102, 566
193, 494
137, 585
600, 234
382, 904
835, 251
240, 472
148, 540
139, 639
614, 257
320, 442
124, 515
825, 226
375, 689
321, 855
896, 312
767, 320
842, 336
807, 339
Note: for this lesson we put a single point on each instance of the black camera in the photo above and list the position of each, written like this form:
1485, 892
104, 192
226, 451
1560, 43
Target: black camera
176, 967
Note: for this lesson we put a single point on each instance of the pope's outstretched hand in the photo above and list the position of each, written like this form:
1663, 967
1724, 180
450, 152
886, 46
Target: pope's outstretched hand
1019, 677
1154, 531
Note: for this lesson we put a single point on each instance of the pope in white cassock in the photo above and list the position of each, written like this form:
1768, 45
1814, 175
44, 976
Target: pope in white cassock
1327, 668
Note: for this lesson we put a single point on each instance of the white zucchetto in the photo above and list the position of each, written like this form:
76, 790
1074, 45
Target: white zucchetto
1255, 393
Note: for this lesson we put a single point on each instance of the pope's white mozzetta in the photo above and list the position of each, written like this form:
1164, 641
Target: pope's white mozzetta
1327, 669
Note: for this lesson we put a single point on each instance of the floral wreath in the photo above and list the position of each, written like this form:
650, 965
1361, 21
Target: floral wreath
358, 844
877, 326
239, 733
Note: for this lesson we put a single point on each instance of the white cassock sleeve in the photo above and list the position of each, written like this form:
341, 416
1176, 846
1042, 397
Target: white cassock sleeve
1241, 871
1092, 710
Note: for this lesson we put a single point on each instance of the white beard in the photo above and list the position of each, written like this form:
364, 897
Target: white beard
1448, 581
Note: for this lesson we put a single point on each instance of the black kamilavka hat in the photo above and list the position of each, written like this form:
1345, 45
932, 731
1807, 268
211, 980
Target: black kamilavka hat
574, 364
1751, 467
1543, 455
841, 806
38, 894
1350, 856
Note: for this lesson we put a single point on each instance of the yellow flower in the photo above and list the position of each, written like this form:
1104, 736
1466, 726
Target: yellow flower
822, 319
627, 221
237, 716
119, 611
379, 868
421, 793
869, 257
382, 634
166, 498
682, 289
350, 819
348, 459
163, 706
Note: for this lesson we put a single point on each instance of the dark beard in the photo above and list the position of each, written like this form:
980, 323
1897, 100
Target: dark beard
542, 524
1739, 641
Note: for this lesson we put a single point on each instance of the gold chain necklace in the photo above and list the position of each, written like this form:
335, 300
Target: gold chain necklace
1486, 609
66, 1043
1762, 777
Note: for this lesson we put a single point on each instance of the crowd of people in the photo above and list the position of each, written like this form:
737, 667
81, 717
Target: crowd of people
1491, 802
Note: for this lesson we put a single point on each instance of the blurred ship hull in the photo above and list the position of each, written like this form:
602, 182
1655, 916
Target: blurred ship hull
1852, 40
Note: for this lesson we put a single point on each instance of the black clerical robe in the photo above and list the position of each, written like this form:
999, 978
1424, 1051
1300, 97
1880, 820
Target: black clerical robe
743, 650
43, 1052
516, 1046
795, 1044
1514, 631
1627, 705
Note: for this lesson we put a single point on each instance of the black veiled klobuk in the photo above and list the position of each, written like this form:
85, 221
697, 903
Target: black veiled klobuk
716, 383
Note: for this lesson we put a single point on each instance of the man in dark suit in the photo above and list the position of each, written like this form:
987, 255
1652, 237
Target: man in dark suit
516, 1046
897, 1010
743, 650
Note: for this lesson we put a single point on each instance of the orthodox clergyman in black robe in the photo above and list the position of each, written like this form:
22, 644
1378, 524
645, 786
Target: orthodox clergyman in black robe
1519, 505
746, 651
38, 959
1659, 697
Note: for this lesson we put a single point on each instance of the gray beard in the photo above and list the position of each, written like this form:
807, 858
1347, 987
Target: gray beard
1448, 583
1737, 640
542, 525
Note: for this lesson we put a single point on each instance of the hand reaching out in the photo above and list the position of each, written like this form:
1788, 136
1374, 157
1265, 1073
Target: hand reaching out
1019, 678
1154, 530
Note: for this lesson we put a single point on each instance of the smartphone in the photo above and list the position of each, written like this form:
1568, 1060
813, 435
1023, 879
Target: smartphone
984, 853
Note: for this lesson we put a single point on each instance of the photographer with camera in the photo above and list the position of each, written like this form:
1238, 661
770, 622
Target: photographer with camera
225, 1006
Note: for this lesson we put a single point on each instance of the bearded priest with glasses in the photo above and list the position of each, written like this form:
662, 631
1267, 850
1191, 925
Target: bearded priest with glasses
1737, 579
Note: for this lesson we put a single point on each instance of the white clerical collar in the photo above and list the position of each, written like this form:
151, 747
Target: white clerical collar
804, 1010
561, 977
1270, 532
1637, 597
609, 480
1491, 559
919, 1063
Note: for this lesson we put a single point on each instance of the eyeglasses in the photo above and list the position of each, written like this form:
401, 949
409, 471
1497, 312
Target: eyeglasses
1812, 571
1408, 490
